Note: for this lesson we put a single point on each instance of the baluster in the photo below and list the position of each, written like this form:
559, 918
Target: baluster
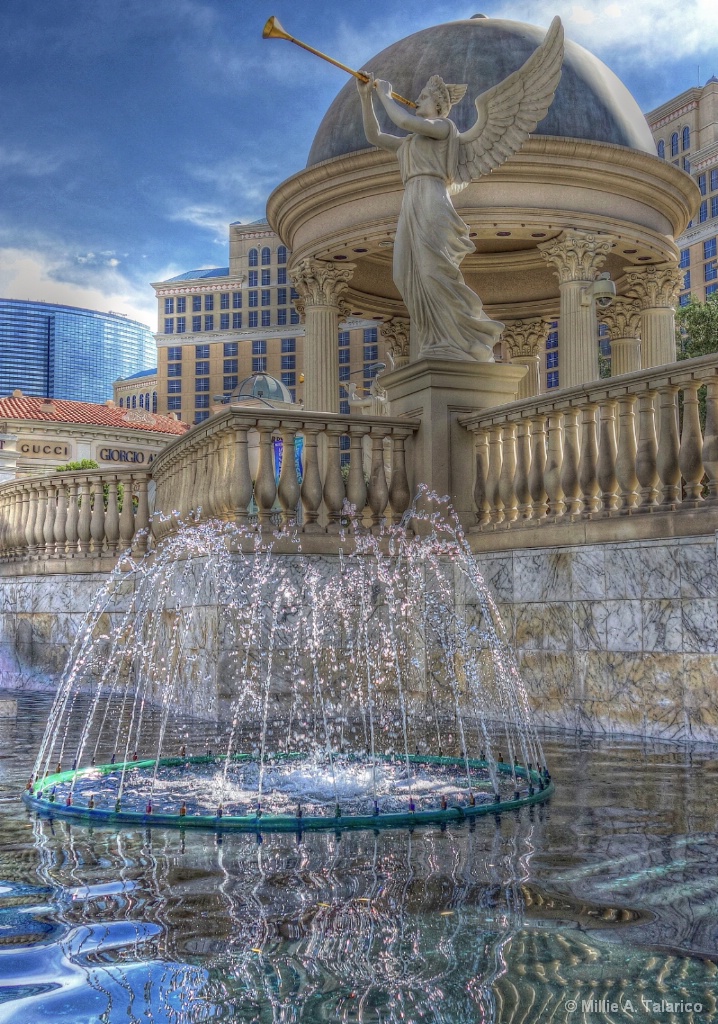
710, 440
97, 522
288, 480
221, 497
508, 471
23, 511
554, 466
493, 482
356, 483
83, 526
199, 500
378, 489
626, 457
521, 476
48, 528
312, 482
215, 466
40, 521
646, 450
240, 478
399, 492
569, 472
127, 516
31, 520
669, 472
334, 490
265, 487
73, 517
112, 515
607, 457
142, 516
537, 473
14, 524
689, 456
481, 493
588, 461
61, 520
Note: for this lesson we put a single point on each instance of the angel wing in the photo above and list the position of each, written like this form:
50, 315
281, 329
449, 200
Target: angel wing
510, 111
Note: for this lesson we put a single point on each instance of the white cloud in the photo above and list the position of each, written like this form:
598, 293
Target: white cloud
210, 218
17, 160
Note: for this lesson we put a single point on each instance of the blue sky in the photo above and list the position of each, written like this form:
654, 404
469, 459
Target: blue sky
133, 131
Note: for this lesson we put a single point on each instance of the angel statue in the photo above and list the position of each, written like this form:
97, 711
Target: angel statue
436, 159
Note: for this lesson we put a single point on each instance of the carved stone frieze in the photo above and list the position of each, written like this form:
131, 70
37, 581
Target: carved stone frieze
576, 255
654, 286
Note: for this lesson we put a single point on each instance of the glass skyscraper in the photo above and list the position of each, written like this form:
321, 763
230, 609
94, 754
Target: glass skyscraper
68, 353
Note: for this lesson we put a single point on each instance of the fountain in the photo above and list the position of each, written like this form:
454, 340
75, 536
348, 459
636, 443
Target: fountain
374, 689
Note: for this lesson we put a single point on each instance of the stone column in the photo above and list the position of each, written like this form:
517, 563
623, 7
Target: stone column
575, 257
320, 286
395, 333
523, 340
623, 320
656, 288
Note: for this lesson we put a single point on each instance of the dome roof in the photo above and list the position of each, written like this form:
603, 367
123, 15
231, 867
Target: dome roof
262, 386
591, 102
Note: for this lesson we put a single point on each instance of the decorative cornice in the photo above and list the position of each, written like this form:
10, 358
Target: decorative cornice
655, 286
320, 283
576, 255
525, 337
678, 112
396, 334
622, 318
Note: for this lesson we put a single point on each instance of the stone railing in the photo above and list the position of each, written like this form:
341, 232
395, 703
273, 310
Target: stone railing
226, 469
616, 448
78, 517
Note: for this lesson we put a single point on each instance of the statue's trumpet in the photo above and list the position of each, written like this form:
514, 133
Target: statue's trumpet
274, 30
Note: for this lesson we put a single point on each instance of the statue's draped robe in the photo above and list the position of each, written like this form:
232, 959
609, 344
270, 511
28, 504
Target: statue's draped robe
447, 317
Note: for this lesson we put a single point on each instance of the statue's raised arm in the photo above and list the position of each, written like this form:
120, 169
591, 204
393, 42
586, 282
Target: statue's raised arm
510, 111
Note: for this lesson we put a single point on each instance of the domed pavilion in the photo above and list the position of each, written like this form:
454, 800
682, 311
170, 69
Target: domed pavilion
585, 196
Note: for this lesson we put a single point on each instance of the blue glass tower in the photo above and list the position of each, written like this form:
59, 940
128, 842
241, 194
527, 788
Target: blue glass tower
68, 353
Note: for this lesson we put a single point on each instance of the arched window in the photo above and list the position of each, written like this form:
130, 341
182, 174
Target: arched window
147, 401
142, 401
122, 403
662, 150
674, 144
282, 254
254, 255
134, 401
686, 138
154, 401
266, 256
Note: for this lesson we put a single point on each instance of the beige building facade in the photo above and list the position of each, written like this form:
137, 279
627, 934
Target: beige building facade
138, 391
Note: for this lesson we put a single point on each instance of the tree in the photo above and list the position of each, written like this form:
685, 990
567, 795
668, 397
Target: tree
77, 466
697, 333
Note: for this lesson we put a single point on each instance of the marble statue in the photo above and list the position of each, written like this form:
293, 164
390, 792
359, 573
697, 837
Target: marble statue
436, 159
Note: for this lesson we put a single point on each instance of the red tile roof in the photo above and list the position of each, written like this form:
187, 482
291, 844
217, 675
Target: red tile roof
26, 408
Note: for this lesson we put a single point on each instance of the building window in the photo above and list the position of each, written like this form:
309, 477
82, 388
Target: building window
282, 254
266, 317
230, 383
147, 400
253, 279
344, 338
230, 366
282, 274
201, 417
289, 380
289, 344
281, 296
142, 401
174, 369
259, 347
236, 300
289, 362
169, 325
266, 274
687, 279
259, 364
196, 303
552, 360
674, 144
224, 321
231, 348
209, 302
224, 300
711, 289
252, 299
711, 271
686, 138
370, 371
196, 323
702, 184
201, 401
662, 150
174, 387
201, 368
182, 305
201, 384
209, 323
714, 179
703, 214
174, 403
266, 299
683, 300
370, 335
169, 306
371, 352
685, 260
686, 165
237, 321
344, 355
709, 248
294, 318
266, 256
253, 258
714, 206
154, 401
552, 379
253, 319
344, 407
201, 352
281, 317
122, 403
181, 325
344, 373
134, 401
174, 352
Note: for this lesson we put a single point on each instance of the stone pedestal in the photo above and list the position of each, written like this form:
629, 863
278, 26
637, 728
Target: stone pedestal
438, 391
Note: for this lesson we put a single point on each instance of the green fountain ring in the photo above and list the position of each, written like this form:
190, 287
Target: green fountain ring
539, 789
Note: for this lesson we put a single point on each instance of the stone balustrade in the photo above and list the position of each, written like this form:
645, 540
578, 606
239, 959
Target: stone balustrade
627, 447
226, 468
74, 517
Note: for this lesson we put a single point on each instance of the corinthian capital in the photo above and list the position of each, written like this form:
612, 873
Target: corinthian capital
396, 334
622, 318
576, 255
525, 337
655, 286
320, 283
